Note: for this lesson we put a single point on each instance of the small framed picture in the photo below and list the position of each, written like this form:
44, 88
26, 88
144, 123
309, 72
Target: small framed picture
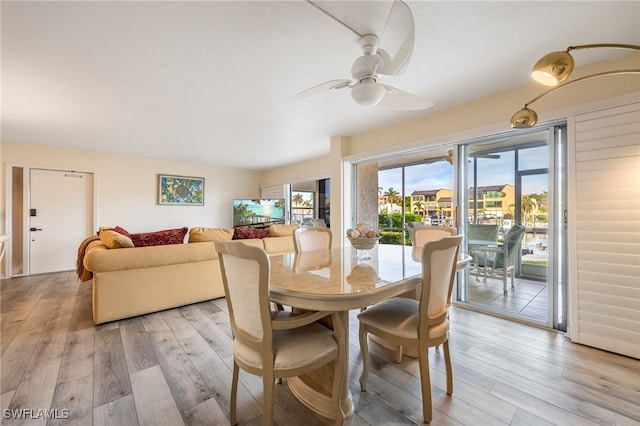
180, 190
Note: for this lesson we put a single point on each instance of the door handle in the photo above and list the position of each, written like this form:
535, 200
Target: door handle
35, 229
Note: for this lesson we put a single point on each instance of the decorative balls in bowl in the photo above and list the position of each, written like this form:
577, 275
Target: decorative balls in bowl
363, 236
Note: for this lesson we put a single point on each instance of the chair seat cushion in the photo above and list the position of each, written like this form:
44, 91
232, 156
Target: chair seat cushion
398, 316
293, 348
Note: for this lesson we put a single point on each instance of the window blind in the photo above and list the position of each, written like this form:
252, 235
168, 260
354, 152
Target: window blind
606, 311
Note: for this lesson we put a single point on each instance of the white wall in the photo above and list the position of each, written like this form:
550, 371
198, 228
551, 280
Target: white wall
127, 187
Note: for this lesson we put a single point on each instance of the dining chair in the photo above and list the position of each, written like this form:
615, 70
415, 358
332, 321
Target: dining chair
424, 233
273, 344
420, 324
307, 239
311, 238
420, 235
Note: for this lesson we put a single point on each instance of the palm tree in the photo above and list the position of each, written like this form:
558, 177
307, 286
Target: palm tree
529, 207
297, 199
392, 197
418, 207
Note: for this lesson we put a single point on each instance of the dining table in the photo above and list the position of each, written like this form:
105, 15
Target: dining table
339, 280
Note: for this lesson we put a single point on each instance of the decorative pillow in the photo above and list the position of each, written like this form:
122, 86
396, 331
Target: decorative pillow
281, 230
113, 240
118, 229
199, 235
159, 238
122, 231
249, 233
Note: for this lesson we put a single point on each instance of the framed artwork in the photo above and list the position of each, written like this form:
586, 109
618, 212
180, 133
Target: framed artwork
180, 190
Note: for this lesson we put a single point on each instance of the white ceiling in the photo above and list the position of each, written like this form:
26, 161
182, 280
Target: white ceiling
208, 81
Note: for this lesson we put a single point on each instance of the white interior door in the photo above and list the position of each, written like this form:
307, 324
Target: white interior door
60, 218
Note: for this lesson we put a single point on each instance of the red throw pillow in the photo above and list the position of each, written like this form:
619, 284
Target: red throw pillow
159, 238
249, 233
122, 231
117, 229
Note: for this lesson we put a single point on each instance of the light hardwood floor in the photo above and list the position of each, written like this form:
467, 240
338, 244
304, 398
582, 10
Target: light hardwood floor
174, 367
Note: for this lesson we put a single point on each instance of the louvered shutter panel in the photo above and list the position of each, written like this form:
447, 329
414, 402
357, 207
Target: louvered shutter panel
606, 303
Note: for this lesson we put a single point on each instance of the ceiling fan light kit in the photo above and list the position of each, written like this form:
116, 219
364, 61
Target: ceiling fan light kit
553, 69
367, 93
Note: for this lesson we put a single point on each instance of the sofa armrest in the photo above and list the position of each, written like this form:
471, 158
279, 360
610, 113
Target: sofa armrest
101, 259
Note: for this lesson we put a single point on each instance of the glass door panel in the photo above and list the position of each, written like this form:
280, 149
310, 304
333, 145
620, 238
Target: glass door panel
534, 260
506, 184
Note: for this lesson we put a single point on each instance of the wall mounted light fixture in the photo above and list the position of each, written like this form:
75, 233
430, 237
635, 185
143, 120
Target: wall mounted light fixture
554, 68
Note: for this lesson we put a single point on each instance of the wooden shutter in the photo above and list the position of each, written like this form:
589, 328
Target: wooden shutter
606, 282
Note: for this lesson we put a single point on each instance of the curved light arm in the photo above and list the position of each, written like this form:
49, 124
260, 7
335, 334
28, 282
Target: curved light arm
599, 74
528, 118
598, 45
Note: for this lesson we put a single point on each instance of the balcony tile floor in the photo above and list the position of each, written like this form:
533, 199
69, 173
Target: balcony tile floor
528, 300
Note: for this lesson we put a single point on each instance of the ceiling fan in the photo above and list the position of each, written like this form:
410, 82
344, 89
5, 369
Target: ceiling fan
396, 32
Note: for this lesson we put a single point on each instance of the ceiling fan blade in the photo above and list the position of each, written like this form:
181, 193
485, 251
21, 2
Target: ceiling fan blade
397, 39
323, 87
401, 100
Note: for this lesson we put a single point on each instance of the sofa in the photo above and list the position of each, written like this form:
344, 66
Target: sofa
130, 280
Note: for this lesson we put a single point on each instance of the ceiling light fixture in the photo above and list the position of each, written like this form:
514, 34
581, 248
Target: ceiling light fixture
553, 69
367, 93
527, 117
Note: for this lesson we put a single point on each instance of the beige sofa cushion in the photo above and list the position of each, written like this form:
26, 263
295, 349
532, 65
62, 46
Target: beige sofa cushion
281, 230
278, 245
199, 235
113, 240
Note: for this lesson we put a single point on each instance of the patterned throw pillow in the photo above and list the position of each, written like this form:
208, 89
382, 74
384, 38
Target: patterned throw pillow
113, 240
159, 238
249, 233
117, 229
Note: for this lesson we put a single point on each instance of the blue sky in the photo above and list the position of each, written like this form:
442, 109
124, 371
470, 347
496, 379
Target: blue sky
491, 171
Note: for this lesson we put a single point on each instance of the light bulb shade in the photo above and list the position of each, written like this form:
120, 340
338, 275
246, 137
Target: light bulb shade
367, 93
553, 69
524, 118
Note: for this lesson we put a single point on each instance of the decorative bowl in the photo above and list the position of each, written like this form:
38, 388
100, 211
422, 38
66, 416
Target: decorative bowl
363, 243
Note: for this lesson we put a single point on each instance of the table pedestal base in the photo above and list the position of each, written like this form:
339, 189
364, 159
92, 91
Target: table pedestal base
318, 402
315, 389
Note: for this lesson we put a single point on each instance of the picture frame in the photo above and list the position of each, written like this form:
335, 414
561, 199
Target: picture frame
180, 190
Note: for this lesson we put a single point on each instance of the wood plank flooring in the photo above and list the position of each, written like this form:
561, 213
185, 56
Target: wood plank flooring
174, 367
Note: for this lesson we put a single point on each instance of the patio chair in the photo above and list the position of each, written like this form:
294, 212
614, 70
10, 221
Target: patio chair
502, 260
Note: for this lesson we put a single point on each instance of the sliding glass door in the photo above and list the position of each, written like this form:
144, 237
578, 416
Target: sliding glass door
510, 192
506, 195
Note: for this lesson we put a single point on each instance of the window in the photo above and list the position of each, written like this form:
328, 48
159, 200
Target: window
302, 205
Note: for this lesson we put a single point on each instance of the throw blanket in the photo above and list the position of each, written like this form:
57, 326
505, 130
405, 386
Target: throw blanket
83, 274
